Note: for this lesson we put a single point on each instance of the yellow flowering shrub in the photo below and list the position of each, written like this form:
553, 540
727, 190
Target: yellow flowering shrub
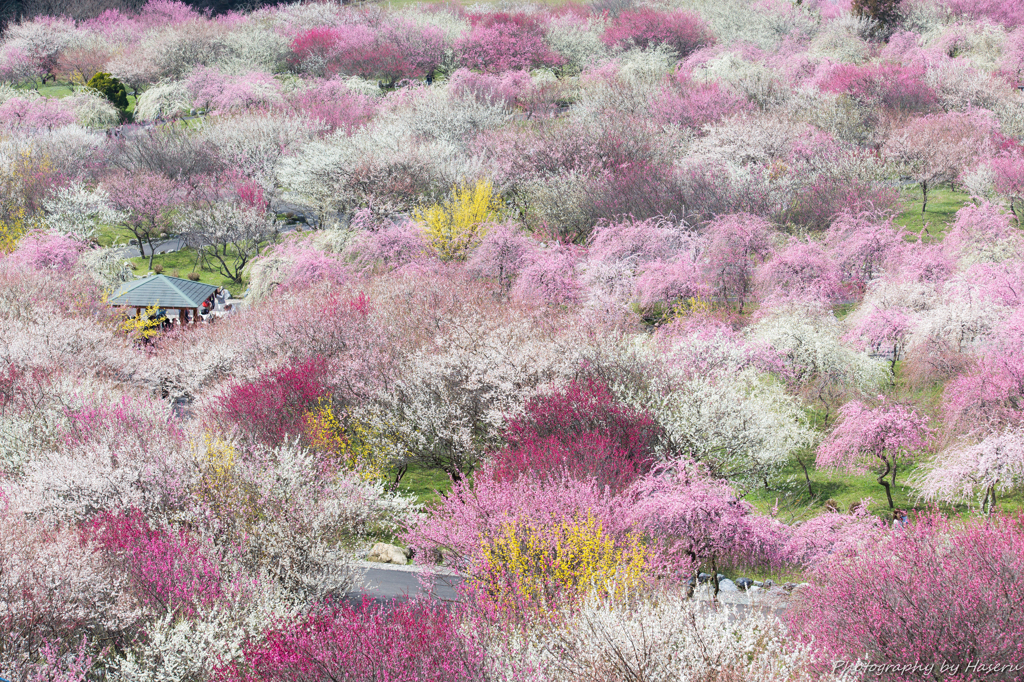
691, 306
143, 326
541, 567
354, 444
454, 226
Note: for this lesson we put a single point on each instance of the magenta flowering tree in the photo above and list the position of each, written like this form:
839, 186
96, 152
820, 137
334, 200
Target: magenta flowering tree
169, 571
273, 407
682, 31
583, 431
934, 593
737, 245
885, 436
417, 640
500, 42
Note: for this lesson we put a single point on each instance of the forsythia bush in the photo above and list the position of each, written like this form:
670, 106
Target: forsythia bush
527, 566
353, 443
457, 224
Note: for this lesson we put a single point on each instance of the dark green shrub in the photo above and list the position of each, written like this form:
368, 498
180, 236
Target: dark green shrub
111, 88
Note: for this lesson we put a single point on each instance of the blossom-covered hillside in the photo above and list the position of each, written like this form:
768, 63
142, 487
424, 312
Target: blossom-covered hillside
687, 334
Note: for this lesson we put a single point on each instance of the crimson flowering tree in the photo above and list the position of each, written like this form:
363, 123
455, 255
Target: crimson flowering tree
418, 640
581, 430
500, 42
272, 407
168, 571
683, 32
887, 435
935, 593
736, 245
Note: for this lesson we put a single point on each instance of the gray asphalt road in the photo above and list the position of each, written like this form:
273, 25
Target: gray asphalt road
385, 584
165, 246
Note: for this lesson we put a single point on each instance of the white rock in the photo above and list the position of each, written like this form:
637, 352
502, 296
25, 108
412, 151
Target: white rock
727, 586
383, 553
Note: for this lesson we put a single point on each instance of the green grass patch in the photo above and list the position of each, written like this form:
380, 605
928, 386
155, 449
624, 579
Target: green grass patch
932, 225
184, 262
425, 484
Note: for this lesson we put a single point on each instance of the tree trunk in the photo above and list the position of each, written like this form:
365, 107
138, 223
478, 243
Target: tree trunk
810, 490
924, 197
885, 484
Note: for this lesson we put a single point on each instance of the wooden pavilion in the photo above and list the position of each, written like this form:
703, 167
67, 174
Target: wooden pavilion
168, 293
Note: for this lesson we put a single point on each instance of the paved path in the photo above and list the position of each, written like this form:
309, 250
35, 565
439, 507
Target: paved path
384, 582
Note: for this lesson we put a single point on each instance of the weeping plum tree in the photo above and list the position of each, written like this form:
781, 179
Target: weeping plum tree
887, 435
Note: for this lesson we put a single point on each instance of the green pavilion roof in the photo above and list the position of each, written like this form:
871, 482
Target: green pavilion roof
162, 291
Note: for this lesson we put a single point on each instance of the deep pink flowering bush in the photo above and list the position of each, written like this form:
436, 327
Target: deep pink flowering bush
502, 42
474, 512
44, 251
700, 523
933, 593
682, 31
581, 430
737, 245
695, 105
35, 112
272, 407
417, 641
884, 437
802, 271
890, 85
168, 570
333, 105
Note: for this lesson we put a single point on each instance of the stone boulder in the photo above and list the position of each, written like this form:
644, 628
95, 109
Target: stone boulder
383, 553
727, 585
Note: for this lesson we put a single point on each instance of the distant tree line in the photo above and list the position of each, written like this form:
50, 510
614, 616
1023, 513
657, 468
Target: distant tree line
14, 10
